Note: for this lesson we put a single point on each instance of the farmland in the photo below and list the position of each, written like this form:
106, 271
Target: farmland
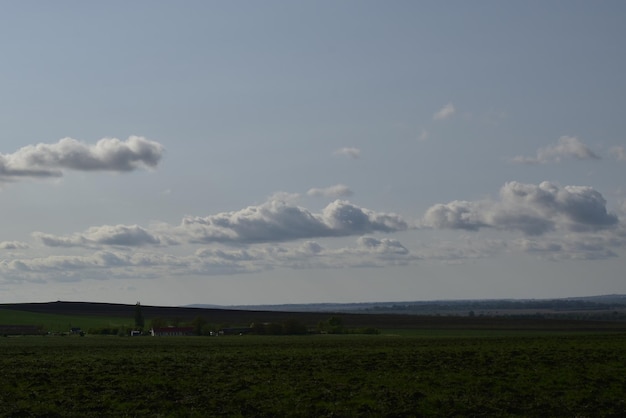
416, 366
485, 374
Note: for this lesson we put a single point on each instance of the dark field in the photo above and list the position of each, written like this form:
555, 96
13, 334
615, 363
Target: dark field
485, 374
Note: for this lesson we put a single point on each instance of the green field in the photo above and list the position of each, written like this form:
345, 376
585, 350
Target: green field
61, 323
568, 375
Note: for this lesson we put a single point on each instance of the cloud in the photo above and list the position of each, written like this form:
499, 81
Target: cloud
99, 265
382, 246
277, 220
423, 136
117, 235
51, 160
462, 248
455, 215
619, 153
354, 153
531, 209
338, 190
104, 265
571, 247
445, 112
13, 245
567, 147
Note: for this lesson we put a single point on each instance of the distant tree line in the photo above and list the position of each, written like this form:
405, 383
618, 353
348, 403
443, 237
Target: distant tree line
202, 327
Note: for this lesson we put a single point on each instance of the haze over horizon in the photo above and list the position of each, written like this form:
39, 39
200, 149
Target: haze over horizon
246, 153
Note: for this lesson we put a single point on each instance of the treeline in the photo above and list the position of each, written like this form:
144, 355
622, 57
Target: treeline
589, 316
334, 325
202, 327
122, 331
557, 305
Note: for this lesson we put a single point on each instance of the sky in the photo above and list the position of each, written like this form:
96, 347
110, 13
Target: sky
279, 152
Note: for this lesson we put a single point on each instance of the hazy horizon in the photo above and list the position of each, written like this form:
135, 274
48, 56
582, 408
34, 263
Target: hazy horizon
248, 153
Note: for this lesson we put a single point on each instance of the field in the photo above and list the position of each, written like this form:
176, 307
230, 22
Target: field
61, 322
429, 373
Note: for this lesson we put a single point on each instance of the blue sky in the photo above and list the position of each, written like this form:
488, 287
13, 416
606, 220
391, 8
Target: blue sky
288, 152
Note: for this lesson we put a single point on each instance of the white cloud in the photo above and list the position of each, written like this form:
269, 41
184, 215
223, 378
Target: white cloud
445, 112
277, 220
347, 152
108, 154
117, 235
423, 136
567, 147
13, 245
101, 265
619, 153
338, 190
531, 209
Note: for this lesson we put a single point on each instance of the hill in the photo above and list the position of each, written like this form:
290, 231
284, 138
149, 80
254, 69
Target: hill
233, 317
587, 306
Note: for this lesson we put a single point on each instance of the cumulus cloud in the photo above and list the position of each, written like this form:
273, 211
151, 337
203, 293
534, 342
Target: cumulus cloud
277, 220
338, 190
567, 147
455, 215
347, 152
445, 112
120, 235
531, 209
51, 160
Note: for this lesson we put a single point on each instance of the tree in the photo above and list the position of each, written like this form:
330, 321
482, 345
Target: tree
334, 325
199, 325
139, 321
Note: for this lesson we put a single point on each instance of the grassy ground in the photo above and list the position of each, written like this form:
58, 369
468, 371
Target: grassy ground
61, 323
323, 375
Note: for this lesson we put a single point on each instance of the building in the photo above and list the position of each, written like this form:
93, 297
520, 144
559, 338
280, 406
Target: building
172, 332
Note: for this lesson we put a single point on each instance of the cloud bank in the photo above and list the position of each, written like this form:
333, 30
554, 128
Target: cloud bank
51, 160
277, 220
531, 209
120, 235
116, 264
13, 245
567, 147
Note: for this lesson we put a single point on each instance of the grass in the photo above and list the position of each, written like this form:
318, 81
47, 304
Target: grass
321, 375
61, 323
480, 333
